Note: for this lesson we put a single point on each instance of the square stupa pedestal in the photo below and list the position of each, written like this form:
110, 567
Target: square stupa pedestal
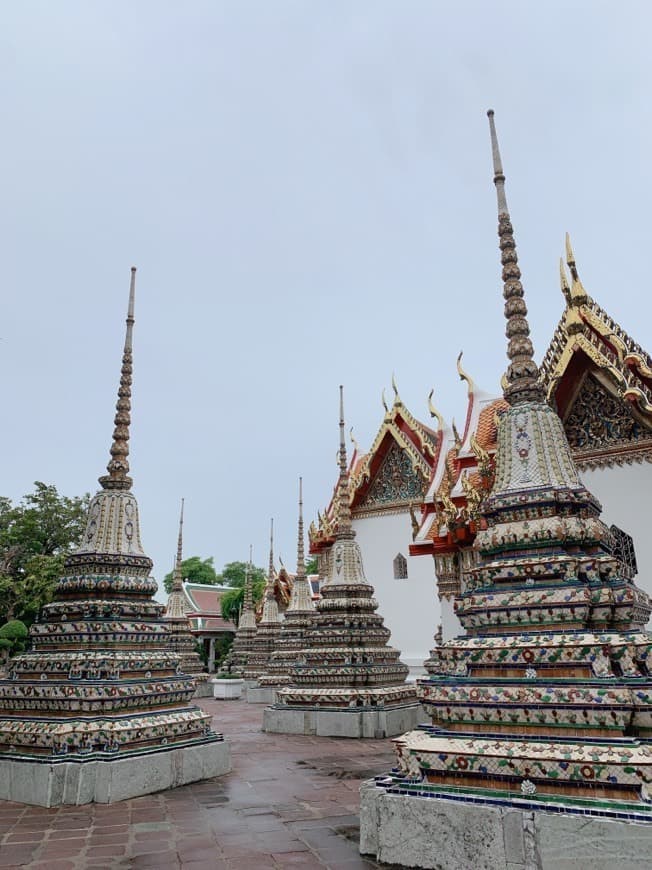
53, 784
438, 833
342, 722
261, 695
204, 687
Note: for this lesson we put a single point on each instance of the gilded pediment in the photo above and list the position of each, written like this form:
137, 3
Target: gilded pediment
396, 481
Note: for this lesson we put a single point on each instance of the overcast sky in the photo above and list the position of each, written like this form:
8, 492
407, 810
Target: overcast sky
306, 190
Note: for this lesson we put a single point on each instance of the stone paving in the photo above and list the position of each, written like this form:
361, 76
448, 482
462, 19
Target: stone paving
291, 801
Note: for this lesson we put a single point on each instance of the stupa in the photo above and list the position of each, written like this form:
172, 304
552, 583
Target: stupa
99, 709
181, 640
267, 634
243, 643
540, 750
298, 619
346, 681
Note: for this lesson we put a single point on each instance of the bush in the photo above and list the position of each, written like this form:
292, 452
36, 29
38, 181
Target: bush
13, 636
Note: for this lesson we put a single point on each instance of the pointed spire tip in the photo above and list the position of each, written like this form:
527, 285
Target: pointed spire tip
118, 467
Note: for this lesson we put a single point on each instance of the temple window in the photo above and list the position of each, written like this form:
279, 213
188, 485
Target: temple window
621, 545
400, 567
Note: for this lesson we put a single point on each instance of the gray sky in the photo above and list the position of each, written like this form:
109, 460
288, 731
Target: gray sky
306, 190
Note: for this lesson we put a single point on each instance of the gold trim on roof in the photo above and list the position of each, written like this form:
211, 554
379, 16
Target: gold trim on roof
464, 376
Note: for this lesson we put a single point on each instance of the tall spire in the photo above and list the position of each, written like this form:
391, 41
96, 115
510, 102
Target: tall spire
301, 557
248, 600
344, 527
301, 598
248, 617
118, 467
522, 372
177, 580
270, 573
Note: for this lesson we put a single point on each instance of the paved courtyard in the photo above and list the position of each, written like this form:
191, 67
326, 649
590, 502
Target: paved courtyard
289, 802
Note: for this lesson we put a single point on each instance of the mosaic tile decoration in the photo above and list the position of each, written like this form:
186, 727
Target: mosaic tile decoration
346, 660
101, 681
549, 696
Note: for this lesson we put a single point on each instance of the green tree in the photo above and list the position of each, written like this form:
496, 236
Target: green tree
196, 570
312, 566
35, 537
233, 574
13, 637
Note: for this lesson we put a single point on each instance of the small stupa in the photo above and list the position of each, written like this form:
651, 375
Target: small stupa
237, 659
298, 618
546, 704
346, 681
267, 634
181, 639
99, 709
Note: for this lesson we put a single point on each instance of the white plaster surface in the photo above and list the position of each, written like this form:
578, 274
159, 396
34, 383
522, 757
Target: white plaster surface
572, 843
77, 783
409, 607
625, 496
204, 689
450, 625
372, 724
261, 695
227, 689
447, 835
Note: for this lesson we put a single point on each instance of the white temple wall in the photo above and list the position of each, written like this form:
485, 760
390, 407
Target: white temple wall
409, 606
450, 625
625, 495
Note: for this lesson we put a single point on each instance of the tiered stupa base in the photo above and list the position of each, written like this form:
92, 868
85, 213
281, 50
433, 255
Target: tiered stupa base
57, 782
433, 829
368, 713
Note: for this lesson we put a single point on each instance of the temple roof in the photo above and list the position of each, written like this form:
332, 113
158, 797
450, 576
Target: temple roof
392, 475
203, 607
204, 598
462, 471
598, 379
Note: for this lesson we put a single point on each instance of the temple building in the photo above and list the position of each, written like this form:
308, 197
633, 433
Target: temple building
542, 712
203, 605
181, 639
387, 484
600, 382
594, 375
267, 634
346, 680
99, 709
298, 619
243, 647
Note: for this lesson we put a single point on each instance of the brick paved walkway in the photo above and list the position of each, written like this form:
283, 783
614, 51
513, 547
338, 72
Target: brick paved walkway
289, 802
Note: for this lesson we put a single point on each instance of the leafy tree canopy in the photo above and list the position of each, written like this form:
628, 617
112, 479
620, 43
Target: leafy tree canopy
312, 566
233, 600
13, 636
233, 574
35, 536
195, 570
